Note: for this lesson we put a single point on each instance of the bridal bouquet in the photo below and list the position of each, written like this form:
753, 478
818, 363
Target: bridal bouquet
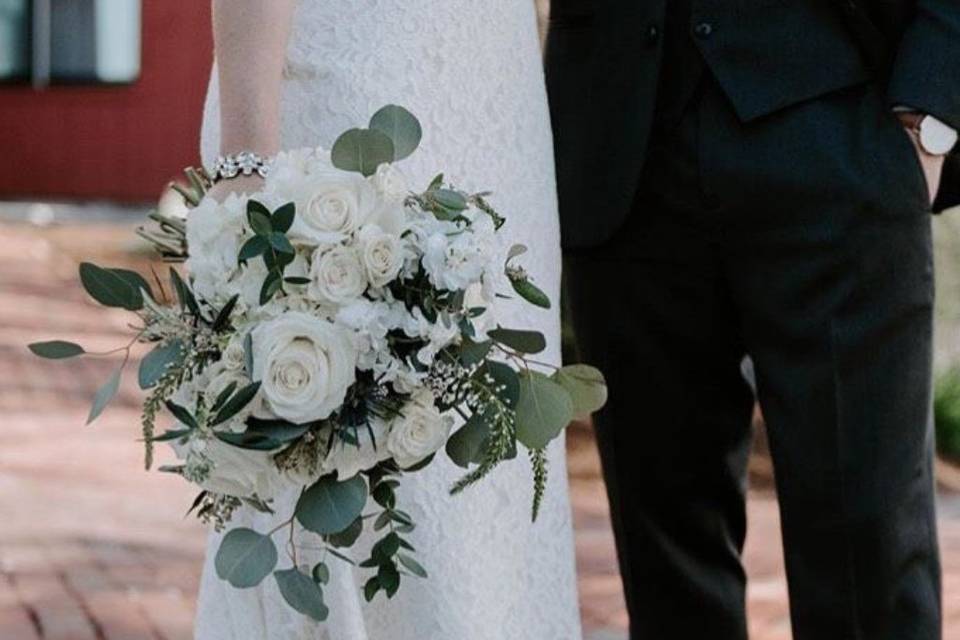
335, 333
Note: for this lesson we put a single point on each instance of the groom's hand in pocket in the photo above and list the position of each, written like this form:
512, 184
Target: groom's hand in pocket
932, 164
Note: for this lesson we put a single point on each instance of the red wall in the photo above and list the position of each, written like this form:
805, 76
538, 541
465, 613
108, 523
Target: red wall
124, 142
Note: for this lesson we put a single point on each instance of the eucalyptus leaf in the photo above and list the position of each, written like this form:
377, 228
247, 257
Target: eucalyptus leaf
370, 588
586, 386
450, 199
386, 548
468, 443
362, 151
530, 292
345, 539
104, 395
329, 506
412, 565
156, 363
282, 218
56, 349
544, 409
245, 558
401, 126
472, 353
135, 280
321, 573
252, 248
272, 284
109, 288
302, 593
389, 578
529, 342
258, 216
280, 243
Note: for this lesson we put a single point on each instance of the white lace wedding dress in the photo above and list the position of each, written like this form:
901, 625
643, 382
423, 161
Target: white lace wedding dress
471, 72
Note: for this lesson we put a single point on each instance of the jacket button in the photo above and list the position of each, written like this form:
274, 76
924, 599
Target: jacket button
653, 34
703, 30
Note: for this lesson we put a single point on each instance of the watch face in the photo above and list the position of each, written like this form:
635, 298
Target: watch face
937, 138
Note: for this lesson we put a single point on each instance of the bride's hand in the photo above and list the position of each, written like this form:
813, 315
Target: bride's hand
241, 184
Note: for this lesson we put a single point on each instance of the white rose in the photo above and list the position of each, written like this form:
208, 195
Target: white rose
331, 206
419, 432
349, 459
382, 255
336, 276
305, 366
390, 183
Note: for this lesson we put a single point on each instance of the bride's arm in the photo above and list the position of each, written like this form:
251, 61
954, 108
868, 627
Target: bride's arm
250, 41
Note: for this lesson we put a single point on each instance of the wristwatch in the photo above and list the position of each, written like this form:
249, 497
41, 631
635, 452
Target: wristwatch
936, 137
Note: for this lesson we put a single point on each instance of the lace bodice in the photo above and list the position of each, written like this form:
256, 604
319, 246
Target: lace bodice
471, 72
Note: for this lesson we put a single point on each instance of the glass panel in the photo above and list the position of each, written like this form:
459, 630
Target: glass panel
95, 40
118, 40
14, 39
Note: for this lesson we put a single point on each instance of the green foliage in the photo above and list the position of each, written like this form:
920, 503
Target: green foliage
302, 593
329, 506
156, 363
528, 342
245, 558
586, 386
467, 445
946, 413
401, 126
236, 403
538, 460
362, 151
111, 287
412, 565
530, 292
56, 349
320, 573
104, 395
346, 538
544, 409
271, 243
182, 414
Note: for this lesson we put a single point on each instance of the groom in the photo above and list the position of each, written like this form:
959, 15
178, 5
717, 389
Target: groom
755, 177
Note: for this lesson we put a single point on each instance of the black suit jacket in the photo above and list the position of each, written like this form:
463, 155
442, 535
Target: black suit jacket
603, 62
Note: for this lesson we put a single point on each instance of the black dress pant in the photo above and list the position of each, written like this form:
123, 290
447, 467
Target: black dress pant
802, 239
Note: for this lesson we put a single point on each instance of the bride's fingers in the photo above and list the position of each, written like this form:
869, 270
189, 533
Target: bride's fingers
241, 184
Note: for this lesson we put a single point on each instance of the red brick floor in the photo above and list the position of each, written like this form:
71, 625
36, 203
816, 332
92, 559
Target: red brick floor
93, 548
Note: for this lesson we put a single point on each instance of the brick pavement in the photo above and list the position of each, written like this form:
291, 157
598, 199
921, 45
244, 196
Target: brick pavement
92, 548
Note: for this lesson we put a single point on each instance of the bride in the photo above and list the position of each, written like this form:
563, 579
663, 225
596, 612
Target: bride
294, 74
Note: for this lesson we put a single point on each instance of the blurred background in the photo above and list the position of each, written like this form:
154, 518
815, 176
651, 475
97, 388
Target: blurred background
100, 104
